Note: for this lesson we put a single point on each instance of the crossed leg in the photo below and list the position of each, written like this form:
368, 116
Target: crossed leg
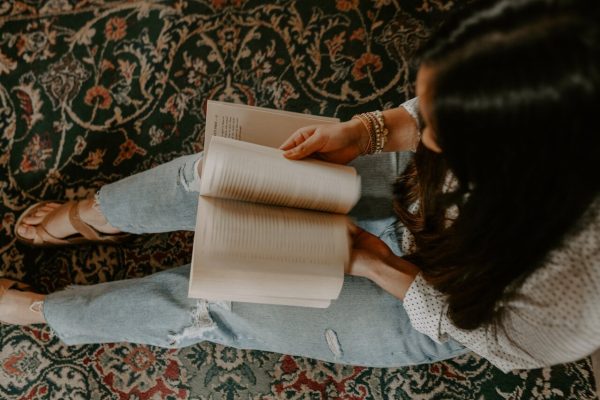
364, 326
158, 200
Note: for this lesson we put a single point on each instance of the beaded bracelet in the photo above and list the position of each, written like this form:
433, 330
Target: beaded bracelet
367, 124
375, 132
378, 133
382, 131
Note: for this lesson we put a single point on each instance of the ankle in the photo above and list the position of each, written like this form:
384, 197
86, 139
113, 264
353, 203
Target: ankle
21, 308
90, 213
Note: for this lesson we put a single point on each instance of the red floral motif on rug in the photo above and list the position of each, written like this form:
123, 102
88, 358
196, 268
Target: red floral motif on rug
93, 91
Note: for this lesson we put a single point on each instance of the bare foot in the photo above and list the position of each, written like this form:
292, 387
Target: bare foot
59, 225
21, 308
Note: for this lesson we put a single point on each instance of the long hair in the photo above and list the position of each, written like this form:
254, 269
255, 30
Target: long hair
515, 109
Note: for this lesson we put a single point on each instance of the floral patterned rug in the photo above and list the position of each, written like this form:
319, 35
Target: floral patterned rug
92, 91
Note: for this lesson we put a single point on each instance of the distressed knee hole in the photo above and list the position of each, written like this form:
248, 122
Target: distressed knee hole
190, 184
202, 322
333, 342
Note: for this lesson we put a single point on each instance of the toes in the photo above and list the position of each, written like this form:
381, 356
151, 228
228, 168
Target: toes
34, 219
54, 218
26, 231
43, 211
38, 216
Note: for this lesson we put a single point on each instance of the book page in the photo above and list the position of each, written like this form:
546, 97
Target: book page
249, 172
244, 249
264, 126
282, 301
224, 277
241, 230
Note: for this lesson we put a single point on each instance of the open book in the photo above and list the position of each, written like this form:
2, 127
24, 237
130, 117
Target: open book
268, 230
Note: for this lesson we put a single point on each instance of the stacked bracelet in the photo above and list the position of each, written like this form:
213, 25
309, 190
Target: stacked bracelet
367, 124
375, 125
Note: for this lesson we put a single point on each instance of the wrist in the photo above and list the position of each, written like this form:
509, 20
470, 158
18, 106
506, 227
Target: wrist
359, 134
404, 130
374, 125
402, 265
394, 274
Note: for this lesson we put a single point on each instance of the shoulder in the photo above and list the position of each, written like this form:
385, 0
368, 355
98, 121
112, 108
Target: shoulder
568, 284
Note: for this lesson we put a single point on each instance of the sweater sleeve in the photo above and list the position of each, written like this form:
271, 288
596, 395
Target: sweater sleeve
553, 318
412, 108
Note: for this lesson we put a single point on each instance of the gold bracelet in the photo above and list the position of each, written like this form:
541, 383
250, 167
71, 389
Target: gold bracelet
383, 131
367, 124
376, 134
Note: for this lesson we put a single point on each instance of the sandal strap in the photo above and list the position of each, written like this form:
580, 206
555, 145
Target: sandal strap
43, 236
80, 226
86, 232
6, 284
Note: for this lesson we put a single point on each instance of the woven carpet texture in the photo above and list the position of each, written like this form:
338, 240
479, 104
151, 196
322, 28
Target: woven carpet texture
93, 91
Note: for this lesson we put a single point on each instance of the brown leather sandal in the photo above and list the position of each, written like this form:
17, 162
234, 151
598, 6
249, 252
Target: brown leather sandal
7, 283
86, 233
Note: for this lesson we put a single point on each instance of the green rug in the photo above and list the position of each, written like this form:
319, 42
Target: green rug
96, 90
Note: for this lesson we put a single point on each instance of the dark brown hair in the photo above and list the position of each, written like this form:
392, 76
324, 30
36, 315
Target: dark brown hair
515, 109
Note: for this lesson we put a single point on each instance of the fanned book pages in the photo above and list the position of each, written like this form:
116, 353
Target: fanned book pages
268, 229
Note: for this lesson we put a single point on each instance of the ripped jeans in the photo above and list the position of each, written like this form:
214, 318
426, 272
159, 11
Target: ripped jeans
364, 326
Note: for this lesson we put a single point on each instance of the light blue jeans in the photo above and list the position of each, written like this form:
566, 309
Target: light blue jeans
364, 326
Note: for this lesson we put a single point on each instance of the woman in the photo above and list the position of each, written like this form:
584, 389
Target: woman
499, 203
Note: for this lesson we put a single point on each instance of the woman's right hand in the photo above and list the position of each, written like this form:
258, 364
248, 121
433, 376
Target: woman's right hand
338, 143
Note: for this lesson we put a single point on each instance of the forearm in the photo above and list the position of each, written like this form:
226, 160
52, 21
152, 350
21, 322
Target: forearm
343, 142
393, 274
402, 130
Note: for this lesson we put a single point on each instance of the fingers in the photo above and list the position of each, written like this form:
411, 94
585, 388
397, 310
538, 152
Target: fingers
303, 150
354, 230
297, 137
306, 143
